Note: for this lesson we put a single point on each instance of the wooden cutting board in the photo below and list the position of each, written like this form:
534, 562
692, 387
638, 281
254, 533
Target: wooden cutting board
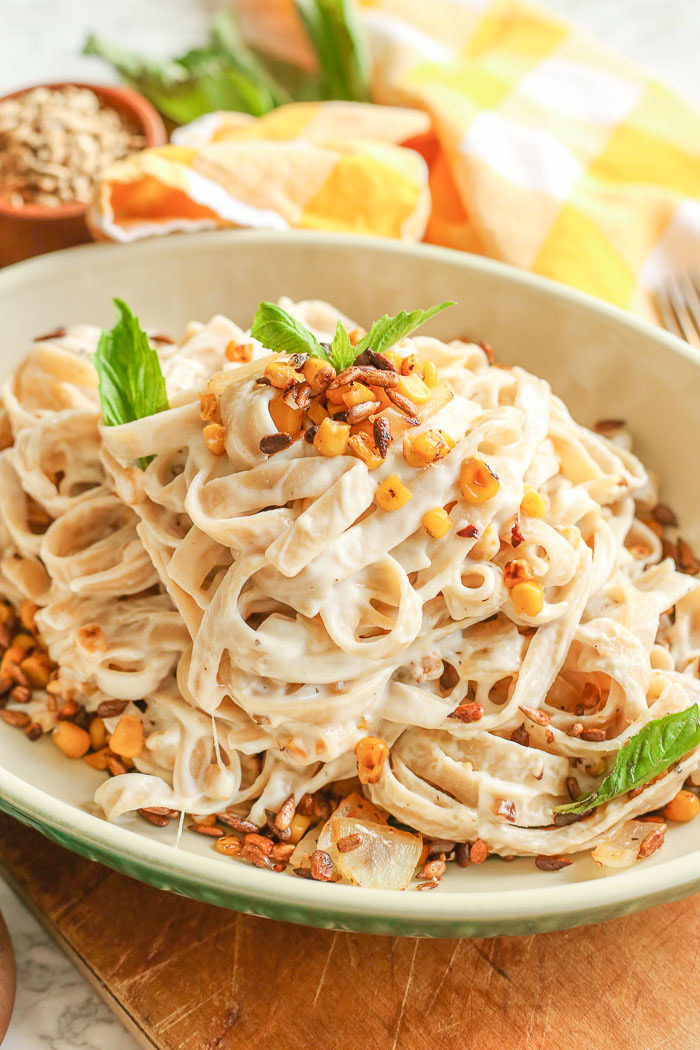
189, 976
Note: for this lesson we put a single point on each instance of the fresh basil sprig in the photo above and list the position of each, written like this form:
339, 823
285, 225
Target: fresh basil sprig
650, 752
389, 330
279, 331
226, 74
130, 381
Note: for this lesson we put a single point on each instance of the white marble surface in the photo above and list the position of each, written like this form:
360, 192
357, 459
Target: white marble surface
41, 39
55, 1008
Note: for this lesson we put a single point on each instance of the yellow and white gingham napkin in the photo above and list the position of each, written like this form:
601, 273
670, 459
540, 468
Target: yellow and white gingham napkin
515, 137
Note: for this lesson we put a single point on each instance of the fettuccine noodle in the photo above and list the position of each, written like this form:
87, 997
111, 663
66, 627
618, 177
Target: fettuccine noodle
272, 615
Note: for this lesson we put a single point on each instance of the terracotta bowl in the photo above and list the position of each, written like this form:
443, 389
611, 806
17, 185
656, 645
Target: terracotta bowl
34, 229
7, 979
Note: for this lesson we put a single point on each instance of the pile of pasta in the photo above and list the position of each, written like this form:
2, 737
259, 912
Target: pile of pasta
271, 614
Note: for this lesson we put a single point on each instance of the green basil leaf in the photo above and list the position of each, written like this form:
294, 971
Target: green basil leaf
223, 75
130, 381
343, 353
336, 35
389, 330
650, 752
279, 331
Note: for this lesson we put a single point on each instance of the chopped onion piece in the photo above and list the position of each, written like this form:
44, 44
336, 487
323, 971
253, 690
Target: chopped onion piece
352, 806
301, 858
386, 859
621, 848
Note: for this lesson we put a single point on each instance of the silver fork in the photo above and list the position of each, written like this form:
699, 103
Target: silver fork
679, 306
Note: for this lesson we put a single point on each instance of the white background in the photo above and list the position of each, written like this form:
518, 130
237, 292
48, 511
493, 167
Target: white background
41, 40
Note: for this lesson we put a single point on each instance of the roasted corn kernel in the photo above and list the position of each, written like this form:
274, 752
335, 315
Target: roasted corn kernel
412, 363
477, 481
372, 753
413, 387
239, 352
517, 571
332, 438
73, 741
682, 807
527, 598
209, 408
286, 419
316, 412
392, 494
281, 375
318, 374
430, 374
98, 759
214, 438
533, 503
127, 739
298, 827
426, 447
357, 394
362, 446
98, 734
336, 395
437, 522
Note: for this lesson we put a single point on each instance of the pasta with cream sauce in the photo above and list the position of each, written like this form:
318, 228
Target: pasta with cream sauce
272, 614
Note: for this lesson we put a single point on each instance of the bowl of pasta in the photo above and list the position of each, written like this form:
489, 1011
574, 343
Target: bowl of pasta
334, 571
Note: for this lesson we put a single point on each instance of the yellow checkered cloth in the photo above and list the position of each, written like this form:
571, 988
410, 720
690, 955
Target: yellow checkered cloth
502, 130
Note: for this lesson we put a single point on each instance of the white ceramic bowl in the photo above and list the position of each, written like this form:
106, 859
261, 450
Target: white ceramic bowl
602, 362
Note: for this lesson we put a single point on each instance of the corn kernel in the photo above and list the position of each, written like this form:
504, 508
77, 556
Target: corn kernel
372, 753
316, 412
281, 375
335, 396
517, 571
477, 481
27, 612
394, 358
413, 387
241, 353
357, 394
682, 807
332, 438
430, 374
527, 598
127, 739
209, 408
98, 734
412, 363
362, 446
392, 494
437, 523
318, 374
426, 447
98, 759
73, 741
286, 419
37, 670
533, 503
214, 438
298, 827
